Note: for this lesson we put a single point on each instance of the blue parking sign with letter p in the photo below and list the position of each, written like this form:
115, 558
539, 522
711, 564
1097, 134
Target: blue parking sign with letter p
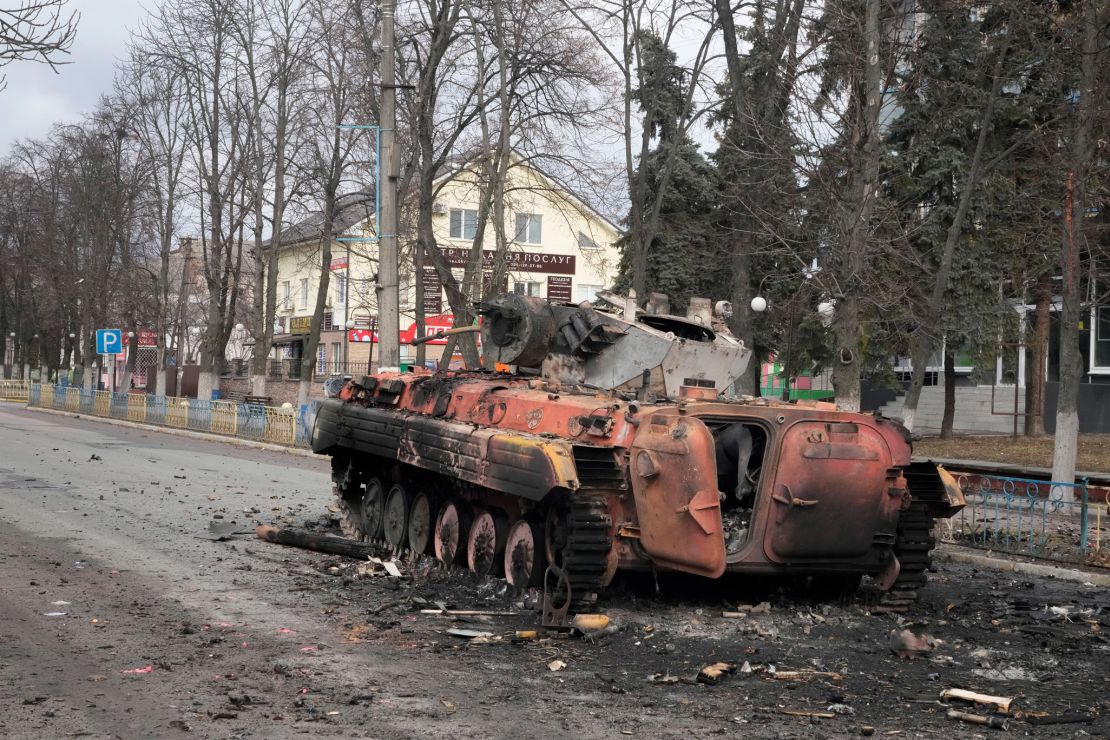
109, 341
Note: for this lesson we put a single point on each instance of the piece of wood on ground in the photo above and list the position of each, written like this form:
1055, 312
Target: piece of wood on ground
1001, 703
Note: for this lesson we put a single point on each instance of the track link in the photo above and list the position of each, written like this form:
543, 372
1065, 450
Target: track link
912, 546
589, 540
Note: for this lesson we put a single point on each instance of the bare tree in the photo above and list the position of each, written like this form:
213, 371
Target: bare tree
329, 148
154, 95
36, 30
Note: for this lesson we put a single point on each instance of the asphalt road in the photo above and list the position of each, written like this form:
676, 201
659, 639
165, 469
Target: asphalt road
120, 618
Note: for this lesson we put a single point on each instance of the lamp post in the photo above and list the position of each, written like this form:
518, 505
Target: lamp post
27, 359
347, 345
9, 363
69, 363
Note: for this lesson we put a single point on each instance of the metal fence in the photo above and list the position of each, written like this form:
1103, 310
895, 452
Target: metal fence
285, 425
1045, 519
14, 390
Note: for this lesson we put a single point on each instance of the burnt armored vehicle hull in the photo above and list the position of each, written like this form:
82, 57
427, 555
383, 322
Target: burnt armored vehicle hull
509, 474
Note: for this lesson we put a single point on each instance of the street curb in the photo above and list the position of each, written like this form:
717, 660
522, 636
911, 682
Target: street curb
300, 452
959, 555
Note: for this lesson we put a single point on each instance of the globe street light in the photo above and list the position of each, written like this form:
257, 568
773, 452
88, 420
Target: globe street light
759, 304
350, 324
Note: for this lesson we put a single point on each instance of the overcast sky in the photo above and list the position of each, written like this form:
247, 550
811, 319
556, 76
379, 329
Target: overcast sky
37, 97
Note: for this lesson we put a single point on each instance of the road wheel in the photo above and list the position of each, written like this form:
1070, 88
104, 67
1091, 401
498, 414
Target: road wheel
524, 555
485, 543
452, 524
421, 521
396, 517
373, 510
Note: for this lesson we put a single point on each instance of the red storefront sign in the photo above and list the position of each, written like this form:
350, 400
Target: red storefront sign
432, 324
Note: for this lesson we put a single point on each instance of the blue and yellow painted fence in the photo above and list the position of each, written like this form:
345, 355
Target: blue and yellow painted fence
285, 426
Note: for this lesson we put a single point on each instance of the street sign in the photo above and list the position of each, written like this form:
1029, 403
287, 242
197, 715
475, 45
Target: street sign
109, 341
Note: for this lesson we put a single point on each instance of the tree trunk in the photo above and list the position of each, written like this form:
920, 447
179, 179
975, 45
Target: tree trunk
949, 395
1082, 151
865, 182
1035, 391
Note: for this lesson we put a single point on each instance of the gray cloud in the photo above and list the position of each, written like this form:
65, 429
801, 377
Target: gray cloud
36, 97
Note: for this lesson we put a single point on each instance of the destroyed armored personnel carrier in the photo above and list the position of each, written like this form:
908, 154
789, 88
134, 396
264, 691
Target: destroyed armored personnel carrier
614, 445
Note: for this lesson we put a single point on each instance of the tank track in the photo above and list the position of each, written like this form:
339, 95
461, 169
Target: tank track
912, 545
589, 540
346, 489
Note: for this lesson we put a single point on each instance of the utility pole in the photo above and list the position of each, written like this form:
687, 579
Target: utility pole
389, 309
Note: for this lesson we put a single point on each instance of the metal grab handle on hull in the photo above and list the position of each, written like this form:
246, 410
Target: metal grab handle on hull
790, 500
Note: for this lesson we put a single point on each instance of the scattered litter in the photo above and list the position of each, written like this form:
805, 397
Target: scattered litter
219, 531
1059, 719
1000, 703
449, 705
468, 634
763, 607
59, 603
590, 622
526, 634
714, 672
556, 665
138, 671
55, 614
309, 649
375, 566
445, 612
286, 631
842, 709
746, 668
95, 457
997, 723
663, 678
805, 675
906, 644
799, 713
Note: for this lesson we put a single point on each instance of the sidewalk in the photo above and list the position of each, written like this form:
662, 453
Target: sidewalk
1008, 563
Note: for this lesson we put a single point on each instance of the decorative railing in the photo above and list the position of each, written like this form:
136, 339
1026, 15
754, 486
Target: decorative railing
1044, 519
285, 425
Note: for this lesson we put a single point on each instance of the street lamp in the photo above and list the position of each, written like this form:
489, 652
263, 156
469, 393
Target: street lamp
759, 304
347, 345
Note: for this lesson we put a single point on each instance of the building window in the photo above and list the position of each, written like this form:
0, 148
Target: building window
586, 292
328, 323
340, 288
336, 358
304, 292
1100, 355
529, 228
286, 299
464, 223
586, 243
522, 287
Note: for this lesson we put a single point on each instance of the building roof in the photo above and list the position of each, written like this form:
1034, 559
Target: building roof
351, 209
452, 169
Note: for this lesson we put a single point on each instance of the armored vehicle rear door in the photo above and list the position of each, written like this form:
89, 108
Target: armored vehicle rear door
674, 481
834, 494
